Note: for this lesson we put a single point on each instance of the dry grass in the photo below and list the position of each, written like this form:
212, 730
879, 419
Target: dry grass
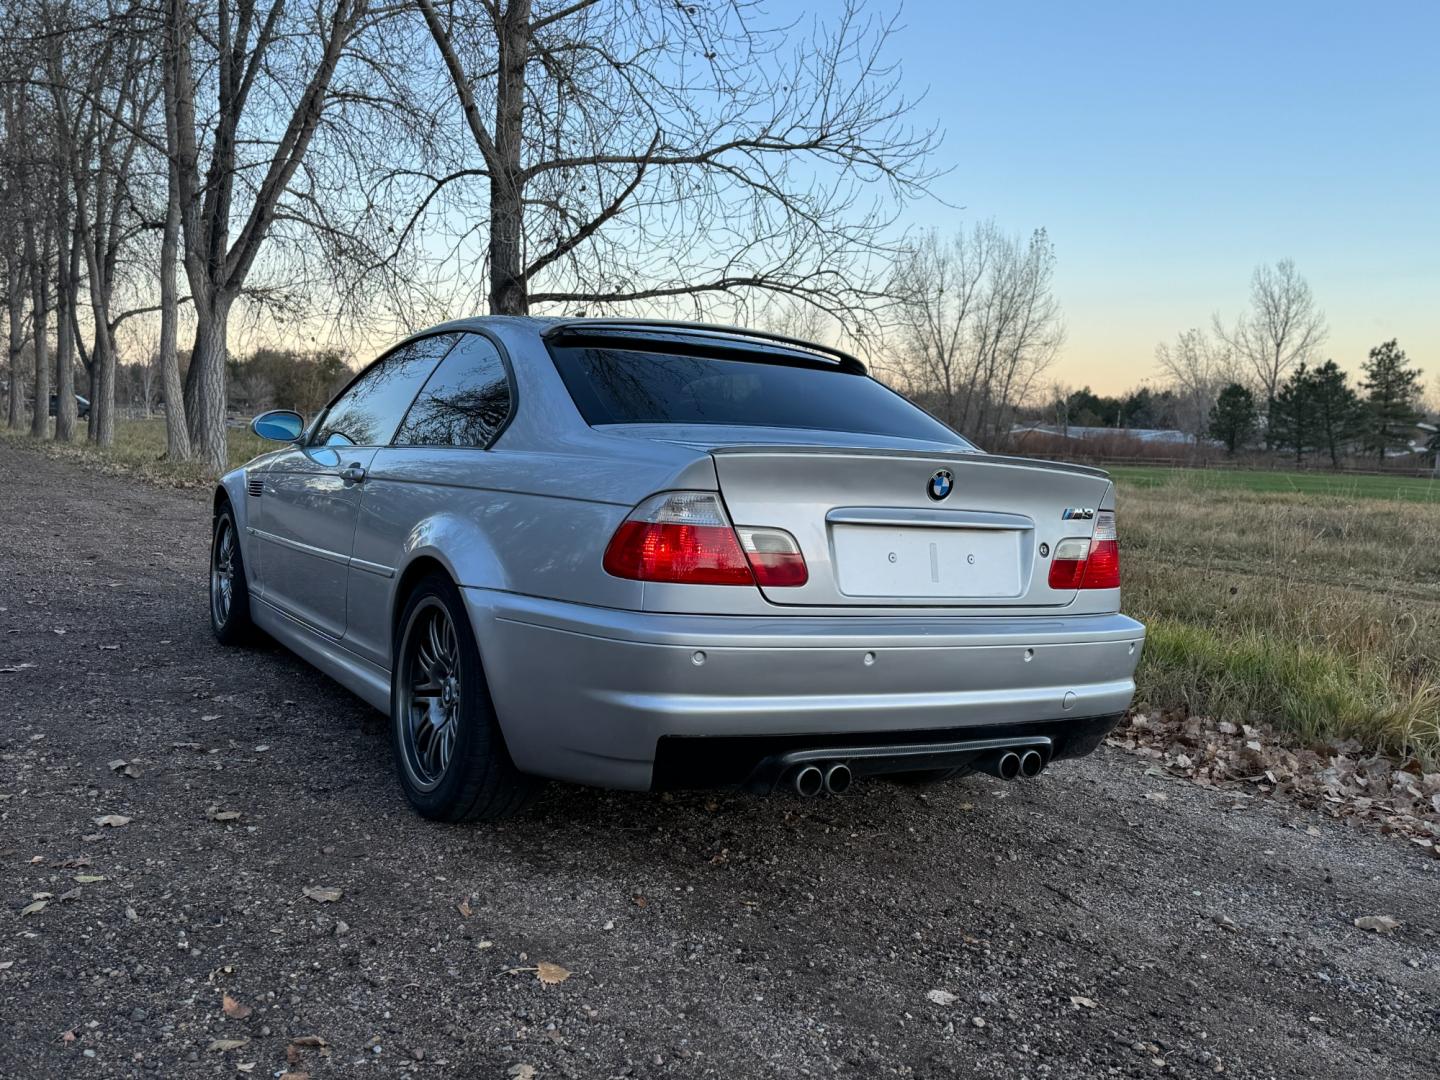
139, 450
1317, 614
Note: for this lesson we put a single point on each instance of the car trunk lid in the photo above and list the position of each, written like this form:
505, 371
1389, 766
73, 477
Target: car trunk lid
899, 528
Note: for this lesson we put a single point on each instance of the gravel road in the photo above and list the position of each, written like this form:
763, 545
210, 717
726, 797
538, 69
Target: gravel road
1100, 921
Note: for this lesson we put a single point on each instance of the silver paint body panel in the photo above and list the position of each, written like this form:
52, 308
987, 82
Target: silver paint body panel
586, 670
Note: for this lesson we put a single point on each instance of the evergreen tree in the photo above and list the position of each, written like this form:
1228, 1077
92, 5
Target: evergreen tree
1335, 409
1392, 393
1233, 417
1292, 415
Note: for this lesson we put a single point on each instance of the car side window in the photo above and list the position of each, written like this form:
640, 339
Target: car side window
465, 403
370, 410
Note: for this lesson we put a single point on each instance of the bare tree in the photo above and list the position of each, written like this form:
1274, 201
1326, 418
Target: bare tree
628, 153
1198, 367
256, 56
976, 324
1283, 328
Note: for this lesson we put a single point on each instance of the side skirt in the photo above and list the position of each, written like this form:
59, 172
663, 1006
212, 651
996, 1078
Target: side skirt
362, 678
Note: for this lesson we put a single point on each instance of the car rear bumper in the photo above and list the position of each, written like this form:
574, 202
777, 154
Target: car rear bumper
587, 694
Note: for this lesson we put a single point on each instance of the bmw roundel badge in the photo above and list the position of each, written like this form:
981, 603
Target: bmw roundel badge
941, 484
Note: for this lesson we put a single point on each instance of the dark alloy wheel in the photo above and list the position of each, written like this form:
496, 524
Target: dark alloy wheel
449, 750
429, 696
229, 591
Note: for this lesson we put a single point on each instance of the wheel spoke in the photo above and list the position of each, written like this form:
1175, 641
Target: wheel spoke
437, 649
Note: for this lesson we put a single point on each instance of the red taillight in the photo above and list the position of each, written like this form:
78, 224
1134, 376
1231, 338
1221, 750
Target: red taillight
1092, 563
685, 537
1102, 569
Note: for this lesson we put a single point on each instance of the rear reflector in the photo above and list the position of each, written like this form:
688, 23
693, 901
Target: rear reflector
1088, 563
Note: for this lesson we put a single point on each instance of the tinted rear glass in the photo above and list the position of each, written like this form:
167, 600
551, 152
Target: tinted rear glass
631, 386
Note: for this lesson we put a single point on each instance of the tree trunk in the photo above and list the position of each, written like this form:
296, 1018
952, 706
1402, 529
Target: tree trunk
40, 307
207, 375
177, 433
508, 290
102, 355
65, 297
15, 304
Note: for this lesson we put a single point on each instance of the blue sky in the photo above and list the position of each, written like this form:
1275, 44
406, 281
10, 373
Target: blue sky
1169, 148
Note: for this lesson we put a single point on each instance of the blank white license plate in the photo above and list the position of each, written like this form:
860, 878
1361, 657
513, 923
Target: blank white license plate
955, 563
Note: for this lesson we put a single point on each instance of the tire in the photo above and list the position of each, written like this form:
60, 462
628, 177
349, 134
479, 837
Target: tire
449, 751
229, 590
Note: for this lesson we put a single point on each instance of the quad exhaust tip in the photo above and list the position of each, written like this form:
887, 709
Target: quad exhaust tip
833, 779
1008, 767
1031, 763
809, 780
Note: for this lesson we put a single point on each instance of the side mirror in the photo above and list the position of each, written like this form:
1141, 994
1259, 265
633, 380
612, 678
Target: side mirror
278, 425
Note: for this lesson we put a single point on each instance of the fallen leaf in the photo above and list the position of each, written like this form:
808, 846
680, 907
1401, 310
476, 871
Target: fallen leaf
638, 900
1156, 796
117, 764
68, 1036
550, 974
308, 1040
114, 821
89, 879
322, 895
1381, 924
245, 1067
65, 897
234, 1009
520, 1072
216, 814
34, 908
6, 965
1083, 1002
15, 669
225, 1045
941, 997
464, 908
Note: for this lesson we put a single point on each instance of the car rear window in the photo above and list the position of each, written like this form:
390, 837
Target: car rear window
630, 385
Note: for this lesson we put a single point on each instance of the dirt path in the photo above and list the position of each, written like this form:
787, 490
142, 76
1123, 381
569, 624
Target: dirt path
1075, 920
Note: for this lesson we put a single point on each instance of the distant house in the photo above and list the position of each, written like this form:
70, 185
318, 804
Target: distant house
1154, 436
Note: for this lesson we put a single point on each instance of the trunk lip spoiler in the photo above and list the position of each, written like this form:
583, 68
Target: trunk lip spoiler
919, 455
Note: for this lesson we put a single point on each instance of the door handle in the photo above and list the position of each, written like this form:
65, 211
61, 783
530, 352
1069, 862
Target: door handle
353, 474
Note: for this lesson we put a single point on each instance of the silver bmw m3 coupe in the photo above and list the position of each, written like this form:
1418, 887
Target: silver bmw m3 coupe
654, 555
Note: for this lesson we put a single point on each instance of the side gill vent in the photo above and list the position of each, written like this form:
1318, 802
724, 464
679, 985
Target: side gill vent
255, 485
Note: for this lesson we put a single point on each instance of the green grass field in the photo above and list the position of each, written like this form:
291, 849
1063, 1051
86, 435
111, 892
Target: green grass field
1406, 488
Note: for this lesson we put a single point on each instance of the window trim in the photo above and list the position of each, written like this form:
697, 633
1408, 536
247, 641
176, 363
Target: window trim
319, 422
509, 379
